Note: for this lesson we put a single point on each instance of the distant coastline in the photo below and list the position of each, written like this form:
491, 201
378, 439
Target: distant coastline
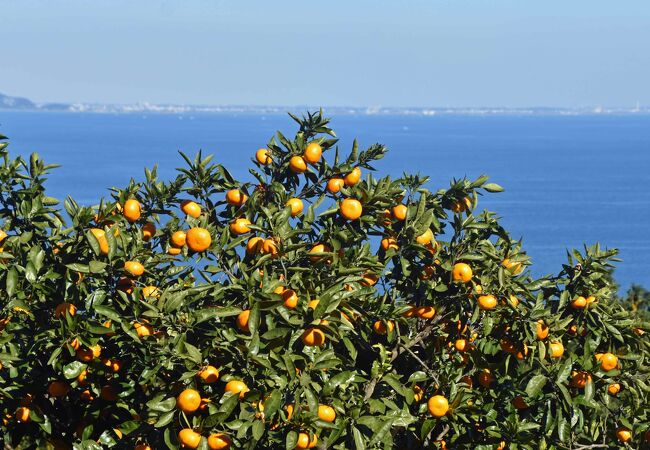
9, 103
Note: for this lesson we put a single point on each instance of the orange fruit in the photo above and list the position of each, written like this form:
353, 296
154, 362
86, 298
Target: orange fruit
312, 153
382, 327
219, 441
418, 393
514, 301
614, 388
108, 393
236, 197
87, 396
351, 209
580, 379
487, 302
188, 401
150, 291
143, 329
96, 350
432, 248
134, 268
263, 156
198, 239
514, 267
191, 208
179, 238
100, 235
591, 299
296, 206
237, 387
63, 308
84, 355
369, 279
319, 248
142, 447
297, 164
326, 413
254, 245
3, 235
289, 408
579, 303
557, 349
485, 378
623, 434
208, 374
353, 177
290, 298
132, 210
269, 246
174, 251
313, 337
521, 352
462, 272
462, 345
541, 330
58, 389
507, 345
148, 231
462, 205
313, 303
334, 185
304, 441
189, 438
399, 212
388, 243
411, 312
240, 226
22, 414
608, 361
126, 285
242, 320
519, 403
425, 238
425, 312
75, 344
438, 406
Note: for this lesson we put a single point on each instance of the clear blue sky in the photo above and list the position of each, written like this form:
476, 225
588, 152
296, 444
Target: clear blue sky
338, 52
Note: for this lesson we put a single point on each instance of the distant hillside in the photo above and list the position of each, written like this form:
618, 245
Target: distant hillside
7, 102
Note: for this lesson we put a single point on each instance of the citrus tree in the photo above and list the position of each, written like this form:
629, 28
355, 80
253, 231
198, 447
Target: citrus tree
313, 306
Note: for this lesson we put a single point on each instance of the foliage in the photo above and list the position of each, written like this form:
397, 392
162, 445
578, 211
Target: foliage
105, 368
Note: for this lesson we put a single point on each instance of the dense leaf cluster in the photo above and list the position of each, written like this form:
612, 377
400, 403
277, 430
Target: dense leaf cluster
93, 356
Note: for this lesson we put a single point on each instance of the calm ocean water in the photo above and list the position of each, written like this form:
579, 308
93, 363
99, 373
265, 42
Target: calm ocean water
569, 180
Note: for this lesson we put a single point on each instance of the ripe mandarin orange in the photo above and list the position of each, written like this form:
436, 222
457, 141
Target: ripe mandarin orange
297, 164
351, 209
198, 239
462, 272
312, 153
235, 197
132, 210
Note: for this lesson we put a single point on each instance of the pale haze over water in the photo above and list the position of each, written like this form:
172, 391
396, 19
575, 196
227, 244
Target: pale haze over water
568, 180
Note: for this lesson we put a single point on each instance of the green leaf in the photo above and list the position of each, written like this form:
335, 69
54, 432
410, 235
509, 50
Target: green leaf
12, 281
535, 385
73, 369
493, 187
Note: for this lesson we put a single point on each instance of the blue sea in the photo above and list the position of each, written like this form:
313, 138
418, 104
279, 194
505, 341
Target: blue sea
569, 180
